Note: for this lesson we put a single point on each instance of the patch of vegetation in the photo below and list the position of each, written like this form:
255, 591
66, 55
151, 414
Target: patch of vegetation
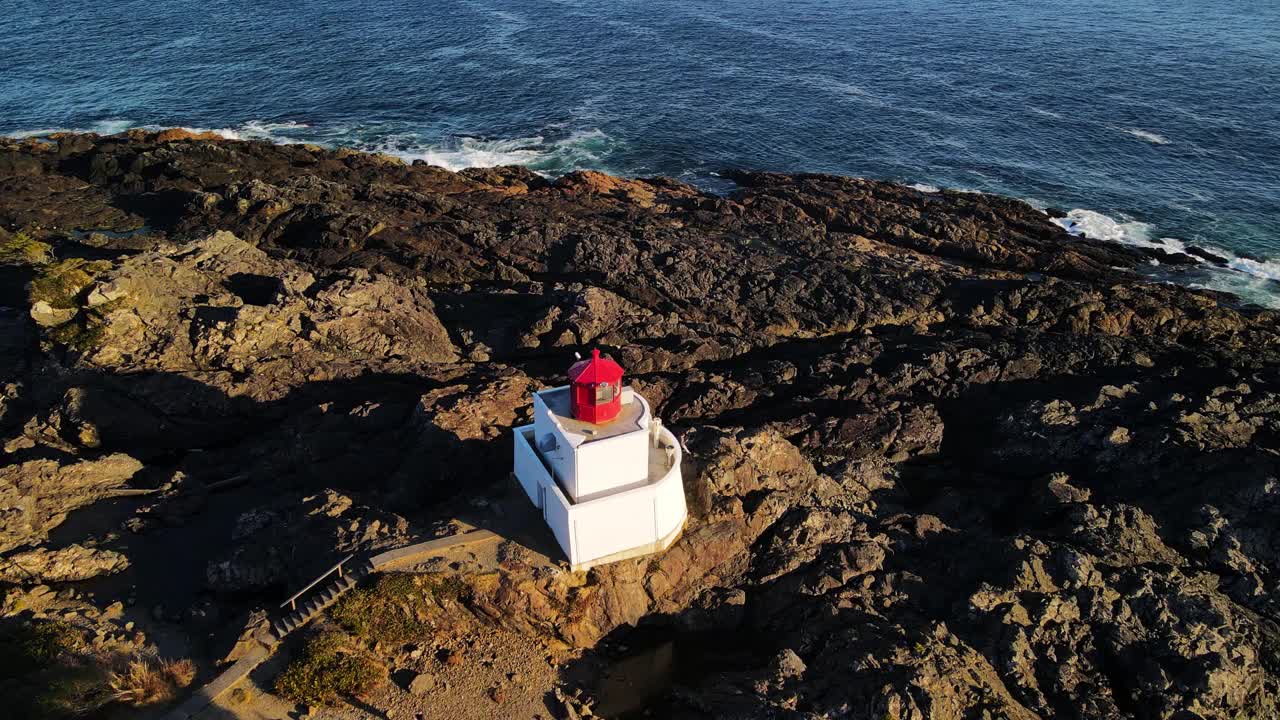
64, 691
338, 346
331, 666
43, 669
48, 671
76, 335
60, 283
22, 249
35, 645
397, 607
84, 333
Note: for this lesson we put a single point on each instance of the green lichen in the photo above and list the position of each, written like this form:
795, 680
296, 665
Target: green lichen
60, 283
84, 333
331, 666
78, 335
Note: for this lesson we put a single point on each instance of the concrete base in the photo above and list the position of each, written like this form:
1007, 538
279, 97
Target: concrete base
653, 547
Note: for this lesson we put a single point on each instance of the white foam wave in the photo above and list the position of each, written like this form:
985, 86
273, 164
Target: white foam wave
277, 132
577, 150
182, 42
583, 149
1264, 269
1045, 113
1254, 280
1248, 288
843, 90
1153, 138
1103, 227
102, 127
468, 152
924, 188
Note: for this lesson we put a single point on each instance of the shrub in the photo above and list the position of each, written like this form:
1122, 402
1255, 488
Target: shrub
329, 667
81, 335
22, 249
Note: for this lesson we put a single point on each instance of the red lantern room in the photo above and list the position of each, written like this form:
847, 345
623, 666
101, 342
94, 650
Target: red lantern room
596, 396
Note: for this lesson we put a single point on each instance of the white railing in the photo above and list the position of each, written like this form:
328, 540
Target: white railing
338, 568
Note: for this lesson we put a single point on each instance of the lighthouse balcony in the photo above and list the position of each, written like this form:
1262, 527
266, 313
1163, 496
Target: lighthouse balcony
630, 520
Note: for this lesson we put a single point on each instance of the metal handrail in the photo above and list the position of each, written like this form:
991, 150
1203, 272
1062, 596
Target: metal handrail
293, 601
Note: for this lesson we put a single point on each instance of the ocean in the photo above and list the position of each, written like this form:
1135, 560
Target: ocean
1151, 121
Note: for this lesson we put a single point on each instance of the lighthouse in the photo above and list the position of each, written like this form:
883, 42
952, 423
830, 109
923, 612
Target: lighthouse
603, 472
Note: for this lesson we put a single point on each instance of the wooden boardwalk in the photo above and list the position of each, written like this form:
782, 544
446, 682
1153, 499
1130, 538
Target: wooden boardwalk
303, 611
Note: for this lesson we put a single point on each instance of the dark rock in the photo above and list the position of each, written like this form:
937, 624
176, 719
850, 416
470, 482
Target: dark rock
961, 462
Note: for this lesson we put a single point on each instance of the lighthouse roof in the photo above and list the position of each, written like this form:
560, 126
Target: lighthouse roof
596, 369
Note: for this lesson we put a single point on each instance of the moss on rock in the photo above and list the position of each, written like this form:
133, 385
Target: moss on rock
60, 283
22, 249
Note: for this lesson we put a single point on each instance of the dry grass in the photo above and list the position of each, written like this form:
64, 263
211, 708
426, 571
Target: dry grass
48, 671
150, 680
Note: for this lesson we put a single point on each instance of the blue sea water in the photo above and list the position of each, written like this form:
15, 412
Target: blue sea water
1155, 121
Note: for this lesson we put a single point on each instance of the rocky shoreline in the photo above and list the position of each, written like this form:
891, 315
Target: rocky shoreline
945, 460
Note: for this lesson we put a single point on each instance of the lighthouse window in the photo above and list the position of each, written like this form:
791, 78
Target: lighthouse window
605, 392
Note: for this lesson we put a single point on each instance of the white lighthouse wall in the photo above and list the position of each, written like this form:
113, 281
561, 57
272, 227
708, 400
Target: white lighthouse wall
614, 524
611, 464
558, 514
669, 510
642, 519
530, 471
562, 457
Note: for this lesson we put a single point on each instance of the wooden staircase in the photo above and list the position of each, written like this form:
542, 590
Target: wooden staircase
314, 600
316, 597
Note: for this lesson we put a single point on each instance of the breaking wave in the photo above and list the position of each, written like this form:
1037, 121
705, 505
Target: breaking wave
103, 127
277, 132
1153, 138
1255, 280
552, 153
578, 150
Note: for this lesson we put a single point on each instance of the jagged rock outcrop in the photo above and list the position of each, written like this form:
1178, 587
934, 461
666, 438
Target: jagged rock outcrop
236, 308
35, 496
281, 544
71, 563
